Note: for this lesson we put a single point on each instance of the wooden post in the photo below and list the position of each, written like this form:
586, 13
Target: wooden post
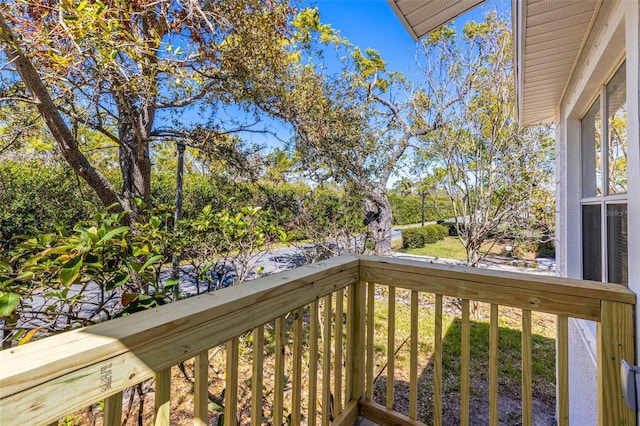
391, 347
313, 364
231, 383
371, 290
112, 410
278, 391
437, 363
562, 370
527, 393
296, 379
465, 361
163, 398
615, 342
337, 354
257, 376
327, 407
201, 389
357, 310
413, 358
493, 366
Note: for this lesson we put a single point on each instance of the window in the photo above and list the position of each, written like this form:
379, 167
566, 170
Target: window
604, 184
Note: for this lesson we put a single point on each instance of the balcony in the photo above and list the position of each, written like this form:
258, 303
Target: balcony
303, 343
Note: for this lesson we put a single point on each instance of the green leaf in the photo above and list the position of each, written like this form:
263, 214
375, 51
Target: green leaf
114, 232
150, 262
171, 282
212, 406
70, 271
118, 280
8, 303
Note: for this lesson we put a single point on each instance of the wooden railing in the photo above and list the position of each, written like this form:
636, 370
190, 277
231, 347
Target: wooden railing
306, 346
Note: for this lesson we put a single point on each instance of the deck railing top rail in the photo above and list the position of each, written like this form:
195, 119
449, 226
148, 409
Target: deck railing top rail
555, 295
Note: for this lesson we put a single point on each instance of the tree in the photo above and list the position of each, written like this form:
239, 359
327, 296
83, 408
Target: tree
139, 71
492, 169
357, 124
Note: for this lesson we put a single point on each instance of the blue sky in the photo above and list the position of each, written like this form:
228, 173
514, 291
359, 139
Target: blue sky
373, 24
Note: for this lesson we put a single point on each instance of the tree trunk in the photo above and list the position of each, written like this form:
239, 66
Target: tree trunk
56, 124
379, 219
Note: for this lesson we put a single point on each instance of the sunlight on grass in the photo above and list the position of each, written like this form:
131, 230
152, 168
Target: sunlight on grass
510, 375
449, 248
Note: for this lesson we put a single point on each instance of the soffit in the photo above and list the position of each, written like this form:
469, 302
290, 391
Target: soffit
549, 37
420, 17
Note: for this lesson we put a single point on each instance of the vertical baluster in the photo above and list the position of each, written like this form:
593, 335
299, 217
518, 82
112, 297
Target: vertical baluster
313, 363
562, 369
257, 376
527, 394
337, 363
370, 338
201, 389
278, 391
348, 380
112, 410
296, 380
615, 336
465, 359
327, 408
493, 367
413, 358
437, 363
231, 384
162, 398
391, 344
357, 367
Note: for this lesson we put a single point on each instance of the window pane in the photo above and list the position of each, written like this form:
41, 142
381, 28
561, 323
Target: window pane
591, 243
617, 259
591, 151
617, 134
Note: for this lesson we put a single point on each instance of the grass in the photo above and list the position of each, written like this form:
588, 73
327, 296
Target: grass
449, 248
510, 375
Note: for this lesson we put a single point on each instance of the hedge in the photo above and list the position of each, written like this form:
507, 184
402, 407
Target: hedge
419, 237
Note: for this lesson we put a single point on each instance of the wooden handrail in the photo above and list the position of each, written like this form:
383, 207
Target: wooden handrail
555, 295
100, 361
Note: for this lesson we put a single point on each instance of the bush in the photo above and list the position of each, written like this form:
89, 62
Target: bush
440, 230
419, 237
431, 234
546, 249
412, 238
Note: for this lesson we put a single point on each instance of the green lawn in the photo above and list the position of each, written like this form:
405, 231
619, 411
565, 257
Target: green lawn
449, 248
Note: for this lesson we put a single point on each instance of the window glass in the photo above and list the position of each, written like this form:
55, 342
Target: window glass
591, 152
591, 242
617, 133
617, 258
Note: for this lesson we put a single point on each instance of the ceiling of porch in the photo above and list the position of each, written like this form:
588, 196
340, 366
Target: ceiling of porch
420, 17
549, 36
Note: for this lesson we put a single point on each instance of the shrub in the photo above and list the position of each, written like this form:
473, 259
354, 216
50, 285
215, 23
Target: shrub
546, 249
412, 238
419, 237
440, 231
431, 234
